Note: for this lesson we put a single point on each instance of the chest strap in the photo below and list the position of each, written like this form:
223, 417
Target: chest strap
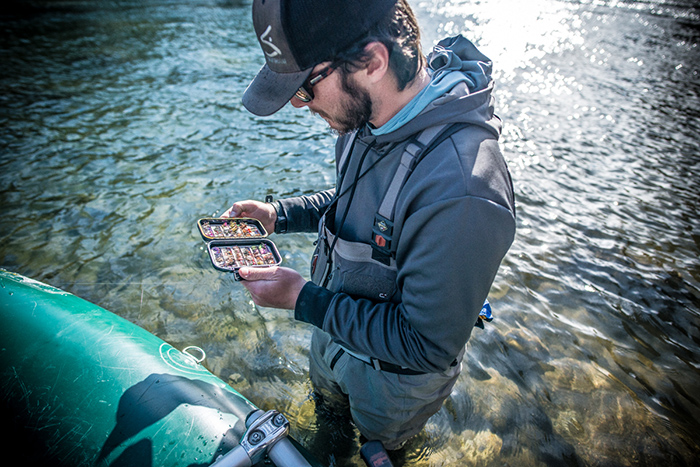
383, 247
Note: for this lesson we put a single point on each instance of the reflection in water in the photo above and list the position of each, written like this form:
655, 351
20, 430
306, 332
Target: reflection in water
122, 125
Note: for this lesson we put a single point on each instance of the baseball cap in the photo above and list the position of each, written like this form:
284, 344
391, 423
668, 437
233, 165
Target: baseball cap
297, 35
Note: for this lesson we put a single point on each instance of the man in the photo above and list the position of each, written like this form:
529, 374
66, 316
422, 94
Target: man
412, 236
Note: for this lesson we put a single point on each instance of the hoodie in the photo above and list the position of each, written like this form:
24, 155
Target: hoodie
454, 221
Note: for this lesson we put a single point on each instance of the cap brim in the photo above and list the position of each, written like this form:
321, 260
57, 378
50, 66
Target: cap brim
269, 91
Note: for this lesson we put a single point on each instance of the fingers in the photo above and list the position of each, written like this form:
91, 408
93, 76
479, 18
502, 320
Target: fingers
233, 211
246, 208
254, 274
267, 273
273, 286
264, 212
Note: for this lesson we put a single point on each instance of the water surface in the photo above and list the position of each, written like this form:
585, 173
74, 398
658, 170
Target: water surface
121, 124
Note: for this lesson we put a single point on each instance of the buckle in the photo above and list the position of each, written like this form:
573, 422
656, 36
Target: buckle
382, 231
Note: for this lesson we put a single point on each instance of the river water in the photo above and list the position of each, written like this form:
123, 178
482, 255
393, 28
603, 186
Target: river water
121, 125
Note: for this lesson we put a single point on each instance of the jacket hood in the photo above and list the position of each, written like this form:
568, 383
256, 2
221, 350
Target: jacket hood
460, 90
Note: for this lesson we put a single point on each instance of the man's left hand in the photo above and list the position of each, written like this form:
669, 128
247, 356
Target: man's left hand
273, 287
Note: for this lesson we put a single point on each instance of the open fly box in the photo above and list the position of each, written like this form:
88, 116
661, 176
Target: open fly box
236, 242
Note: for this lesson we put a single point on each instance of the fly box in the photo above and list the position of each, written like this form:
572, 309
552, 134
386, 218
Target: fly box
213, 228
236, 242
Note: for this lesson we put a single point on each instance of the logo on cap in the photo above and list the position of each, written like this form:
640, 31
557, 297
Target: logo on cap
273, 50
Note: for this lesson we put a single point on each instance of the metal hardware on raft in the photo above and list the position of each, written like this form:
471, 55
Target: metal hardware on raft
266, 434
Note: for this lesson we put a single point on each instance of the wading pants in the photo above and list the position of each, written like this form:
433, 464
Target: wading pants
385, 406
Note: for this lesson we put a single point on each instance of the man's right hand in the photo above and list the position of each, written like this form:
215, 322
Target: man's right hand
264, 212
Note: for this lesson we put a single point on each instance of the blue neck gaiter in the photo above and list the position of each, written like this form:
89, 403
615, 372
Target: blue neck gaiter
447, 68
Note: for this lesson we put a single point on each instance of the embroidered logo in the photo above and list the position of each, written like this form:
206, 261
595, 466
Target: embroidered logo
265, 39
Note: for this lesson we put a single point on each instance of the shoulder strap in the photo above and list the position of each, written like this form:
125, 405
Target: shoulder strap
346, 150
410, 154
415, 151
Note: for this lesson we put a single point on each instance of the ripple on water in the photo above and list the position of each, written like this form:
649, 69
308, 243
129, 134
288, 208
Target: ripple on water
121, 125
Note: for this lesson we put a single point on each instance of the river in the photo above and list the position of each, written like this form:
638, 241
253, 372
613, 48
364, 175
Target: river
121, 124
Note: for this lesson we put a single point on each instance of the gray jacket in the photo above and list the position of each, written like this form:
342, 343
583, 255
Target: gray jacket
454, 221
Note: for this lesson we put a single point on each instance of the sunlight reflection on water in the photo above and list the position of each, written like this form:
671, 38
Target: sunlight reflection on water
122, 126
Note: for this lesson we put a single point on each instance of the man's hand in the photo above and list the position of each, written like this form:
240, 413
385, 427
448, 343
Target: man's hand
264, 212
273, 287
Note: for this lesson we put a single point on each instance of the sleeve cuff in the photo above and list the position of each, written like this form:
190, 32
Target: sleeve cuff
281, 222
312, 304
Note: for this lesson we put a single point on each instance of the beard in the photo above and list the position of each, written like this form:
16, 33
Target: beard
356, 108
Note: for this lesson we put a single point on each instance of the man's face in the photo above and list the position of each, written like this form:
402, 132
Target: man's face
340, 101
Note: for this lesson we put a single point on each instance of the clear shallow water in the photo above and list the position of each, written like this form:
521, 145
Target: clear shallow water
121, 124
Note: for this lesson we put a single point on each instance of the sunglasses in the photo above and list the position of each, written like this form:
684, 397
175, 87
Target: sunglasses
304, 93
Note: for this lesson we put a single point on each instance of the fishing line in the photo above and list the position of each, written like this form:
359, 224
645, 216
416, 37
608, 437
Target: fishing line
353, 185
352, 188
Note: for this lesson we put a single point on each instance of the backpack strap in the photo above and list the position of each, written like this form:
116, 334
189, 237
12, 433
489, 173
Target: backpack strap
346, 150
383, 247
409, 156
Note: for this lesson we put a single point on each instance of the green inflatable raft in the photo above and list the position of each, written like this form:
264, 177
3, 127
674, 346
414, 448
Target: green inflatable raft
83, 387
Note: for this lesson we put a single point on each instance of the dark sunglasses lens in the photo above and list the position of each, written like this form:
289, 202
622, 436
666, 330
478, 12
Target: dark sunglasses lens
303, 94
